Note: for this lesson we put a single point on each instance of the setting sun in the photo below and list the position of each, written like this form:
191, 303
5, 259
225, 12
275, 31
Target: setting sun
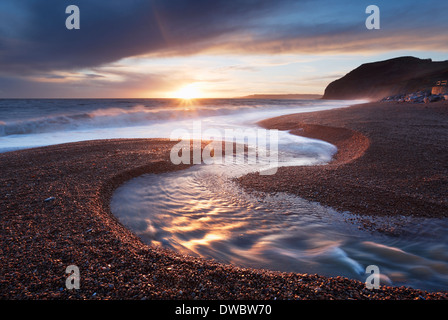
188, 92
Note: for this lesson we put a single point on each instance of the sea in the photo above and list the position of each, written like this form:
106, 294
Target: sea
27, 123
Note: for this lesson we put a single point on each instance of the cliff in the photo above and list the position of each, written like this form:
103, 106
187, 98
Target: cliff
377, 80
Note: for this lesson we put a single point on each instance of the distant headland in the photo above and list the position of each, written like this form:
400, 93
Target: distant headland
283, 96
402, 76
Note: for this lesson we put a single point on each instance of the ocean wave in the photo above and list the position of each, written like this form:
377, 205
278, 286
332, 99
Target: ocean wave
25, 123
108, 118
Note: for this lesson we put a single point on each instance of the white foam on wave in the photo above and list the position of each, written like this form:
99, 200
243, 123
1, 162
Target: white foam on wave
151, 120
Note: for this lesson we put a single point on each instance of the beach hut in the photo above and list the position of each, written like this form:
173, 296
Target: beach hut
441, 87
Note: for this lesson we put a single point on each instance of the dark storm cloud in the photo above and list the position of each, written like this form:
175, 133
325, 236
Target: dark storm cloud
33, 37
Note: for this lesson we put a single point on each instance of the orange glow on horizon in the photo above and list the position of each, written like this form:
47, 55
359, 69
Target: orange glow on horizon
188, 92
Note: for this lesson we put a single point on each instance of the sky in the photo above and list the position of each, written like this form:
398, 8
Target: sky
204, 48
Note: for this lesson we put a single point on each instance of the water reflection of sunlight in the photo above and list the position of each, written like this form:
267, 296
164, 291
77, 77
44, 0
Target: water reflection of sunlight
222, 230
205, 241
209, 216
200, 206
186, 224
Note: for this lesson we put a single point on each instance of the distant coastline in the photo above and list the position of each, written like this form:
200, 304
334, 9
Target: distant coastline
283, 96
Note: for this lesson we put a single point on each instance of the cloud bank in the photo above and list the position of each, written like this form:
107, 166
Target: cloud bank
33, 36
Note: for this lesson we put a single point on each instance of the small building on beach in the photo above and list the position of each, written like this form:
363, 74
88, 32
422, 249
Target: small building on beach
441, 87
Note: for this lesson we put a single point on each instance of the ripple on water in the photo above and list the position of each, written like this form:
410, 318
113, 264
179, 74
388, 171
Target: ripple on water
201, 211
